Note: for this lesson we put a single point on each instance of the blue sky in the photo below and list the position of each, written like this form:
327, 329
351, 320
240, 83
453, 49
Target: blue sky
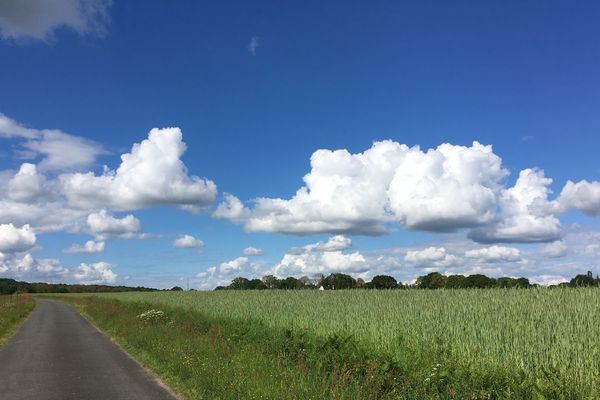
256, 89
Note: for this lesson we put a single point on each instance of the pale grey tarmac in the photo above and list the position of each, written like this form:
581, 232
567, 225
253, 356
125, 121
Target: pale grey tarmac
58, 355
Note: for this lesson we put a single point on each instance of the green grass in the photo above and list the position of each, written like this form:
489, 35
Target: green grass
13, 311
535, 343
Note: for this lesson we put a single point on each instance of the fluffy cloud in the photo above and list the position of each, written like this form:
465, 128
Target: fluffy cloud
494, 254
583, 196
329, 257
151, 174
555, 249
222, 274
442, 189
334, 243
431, 257
96, 273
188, 241
38, 19
103, 225
89, 247
55, 149
13, 239
27, 185
526, 213
234, 266
253, 251
315, 262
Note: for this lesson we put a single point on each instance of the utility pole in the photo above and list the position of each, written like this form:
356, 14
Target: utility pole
188, 284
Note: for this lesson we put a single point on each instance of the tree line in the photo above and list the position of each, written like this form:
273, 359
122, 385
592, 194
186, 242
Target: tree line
433, 280
11, 286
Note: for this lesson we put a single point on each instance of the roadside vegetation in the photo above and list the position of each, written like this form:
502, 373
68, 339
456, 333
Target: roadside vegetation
13, 310
371, 344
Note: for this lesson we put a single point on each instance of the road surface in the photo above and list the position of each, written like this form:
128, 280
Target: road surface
59, 355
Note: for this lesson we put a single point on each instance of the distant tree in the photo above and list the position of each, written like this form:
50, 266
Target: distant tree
290, 283
256, 284
239, 283
507, 282
271, 282
479, 281
583, 280
360, 283
455, 282
339, 281
176, 288
384, 282
434, 280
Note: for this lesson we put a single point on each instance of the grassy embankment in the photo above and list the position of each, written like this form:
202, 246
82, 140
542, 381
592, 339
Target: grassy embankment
461, 344
13, 311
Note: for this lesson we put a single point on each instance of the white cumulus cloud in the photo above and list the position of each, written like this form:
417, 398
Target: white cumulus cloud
526, 214
89, 247
95, 273
188, 241
13, 239
151, 174
583, 196
103, 225
494, 254
431, 257
253, 251
441, 189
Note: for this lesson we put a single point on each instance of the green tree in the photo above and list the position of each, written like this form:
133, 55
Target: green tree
239, 283
384, 282
455, 282
271, 281
339, 281
434, 280
479, 281
583, 280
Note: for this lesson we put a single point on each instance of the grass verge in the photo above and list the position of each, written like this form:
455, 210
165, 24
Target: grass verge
13, 312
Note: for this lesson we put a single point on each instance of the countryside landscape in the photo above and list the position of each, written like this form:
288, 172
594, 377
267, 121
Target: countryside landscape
299, 200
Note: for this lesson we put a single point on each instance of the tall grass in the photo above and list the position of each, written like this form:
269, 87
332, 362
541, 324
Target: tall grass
13, 310
549, 335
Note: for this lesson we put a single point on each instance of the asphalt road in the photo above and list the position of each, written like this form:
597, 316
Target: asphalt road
58, 355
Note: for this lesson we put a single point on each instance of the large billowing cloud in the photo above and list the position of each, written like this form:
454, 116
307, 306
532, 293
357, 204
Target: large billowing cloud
526, 213
38, 19
103, 225
13, 239
583, 196
438, 190
151, 174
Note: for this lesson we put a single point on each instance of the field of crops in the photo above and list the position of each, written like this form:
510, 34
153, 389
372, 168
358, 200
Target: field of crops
536, 331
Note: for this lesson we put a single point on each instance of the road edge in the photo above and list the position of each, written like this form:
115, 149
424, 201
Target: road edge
153, 374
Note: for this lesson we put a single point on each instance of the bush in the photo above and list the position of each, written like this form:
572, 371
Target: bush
153, 317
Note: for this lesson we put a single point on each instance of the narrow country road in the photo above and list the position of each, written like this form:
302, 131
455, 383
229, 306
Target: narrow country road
58, 355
